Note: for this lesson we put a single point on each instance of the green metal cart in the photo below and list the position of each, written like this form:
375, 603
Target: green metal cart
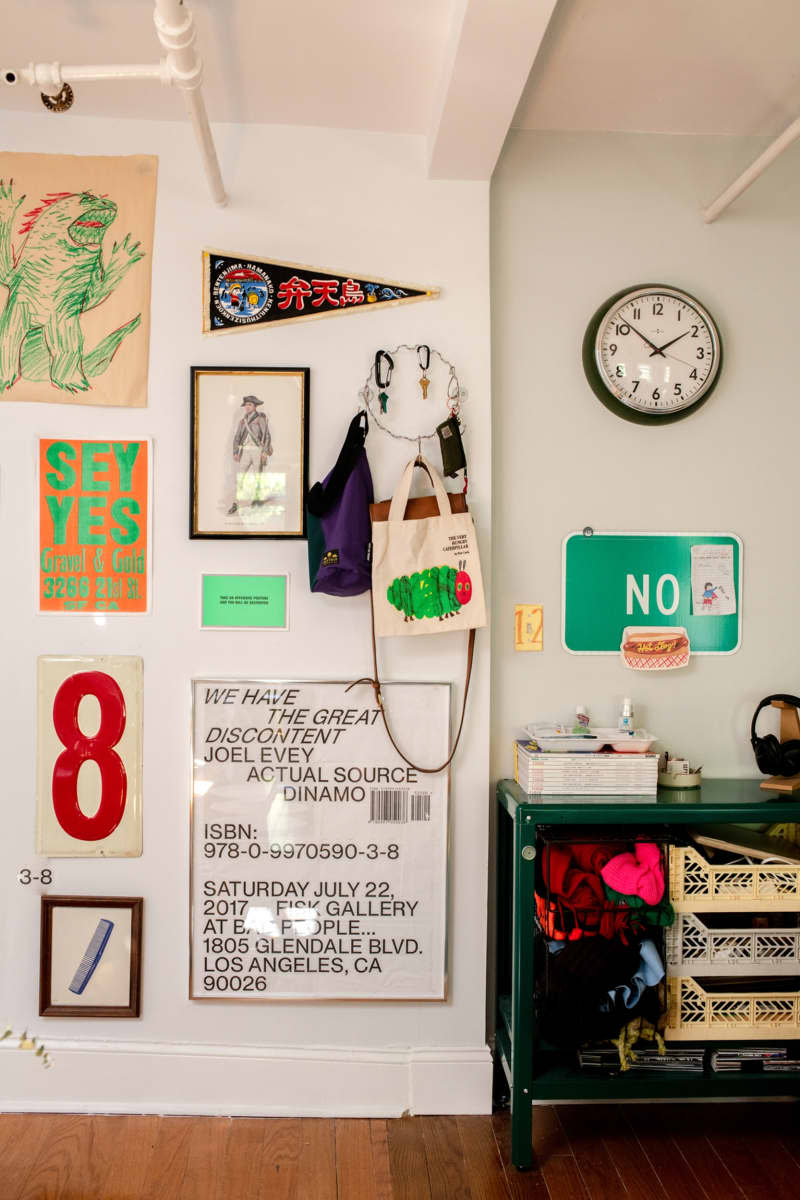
532, 1071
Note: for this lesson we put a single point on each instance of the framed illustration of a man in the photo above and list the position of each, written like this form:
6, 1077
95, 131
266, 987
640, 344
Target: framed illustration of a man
249, 452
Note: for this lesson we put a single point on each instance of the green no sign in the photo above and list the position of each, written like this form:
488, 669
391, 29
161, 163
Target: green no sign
611, 580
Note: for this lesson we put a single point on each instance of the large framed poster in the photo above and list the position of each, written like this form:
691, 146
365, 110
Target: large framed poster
89, 756
319, 858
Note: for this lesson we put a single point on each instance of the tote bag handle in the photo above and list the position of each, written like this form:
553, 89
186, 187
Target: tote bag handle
400, 498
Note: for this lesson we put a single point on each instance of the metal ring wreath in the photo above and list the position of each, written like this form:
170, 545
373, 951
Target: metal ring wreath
378, 379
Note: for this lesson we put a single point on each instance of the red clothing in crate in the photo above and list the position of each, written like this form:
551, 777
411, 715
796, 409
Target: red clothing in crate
575, 904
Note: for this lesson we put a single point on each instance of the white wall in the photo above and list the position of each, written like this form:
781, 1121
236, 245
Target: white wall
576, 218
356, 201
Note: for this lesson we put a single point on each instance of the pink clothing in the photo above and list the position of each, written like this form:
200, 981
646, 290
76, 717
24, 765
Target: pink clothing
637, 874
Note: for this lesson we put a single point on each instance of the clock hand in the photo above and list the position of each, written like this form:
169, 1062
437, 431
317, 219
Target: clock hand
645, 339
683, 361
661, 349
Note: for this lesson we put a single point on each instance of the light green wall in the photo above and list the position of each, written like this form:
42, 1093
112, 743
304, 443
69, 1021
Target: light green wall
575, 218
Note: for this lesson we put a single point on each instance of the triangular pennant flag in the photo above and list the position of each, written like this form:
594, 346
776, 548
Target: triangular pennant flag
240, 292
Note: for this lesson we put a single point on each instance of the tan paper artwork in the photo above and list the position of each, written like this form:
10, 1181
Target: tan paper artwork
76, 248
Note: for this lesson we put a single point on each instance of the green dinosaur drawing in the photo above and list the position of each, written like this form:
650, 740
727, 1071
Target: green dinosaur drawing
55, 276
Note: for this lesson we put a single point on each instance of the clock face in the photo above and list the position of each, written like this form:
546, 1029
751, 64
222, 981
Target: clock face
652, 354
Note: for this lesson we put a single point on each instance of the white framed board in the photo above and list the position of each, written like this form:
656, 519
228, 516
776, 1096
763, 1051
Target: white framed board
318, 857
89, 710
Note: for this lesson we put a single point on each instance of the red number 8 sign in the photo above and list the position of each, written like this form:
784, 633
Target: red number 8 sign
78, 749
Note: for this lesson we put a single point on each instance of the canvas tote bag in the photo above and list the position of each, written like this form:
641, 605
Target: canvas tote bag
426, 577
426, 572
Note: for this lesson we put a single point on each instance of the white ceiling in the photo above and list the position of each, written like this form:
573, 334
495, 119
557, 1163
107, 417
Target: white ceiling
667, 66
353, 64
452, 70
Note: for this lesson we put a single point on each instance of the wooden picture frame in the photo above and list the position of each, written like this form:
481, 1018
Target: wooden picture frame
76, 933
249, 430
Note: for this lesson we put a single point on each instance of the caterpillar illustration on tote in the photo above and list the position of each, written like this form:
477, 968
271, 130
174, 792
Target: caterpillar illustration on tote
435, 592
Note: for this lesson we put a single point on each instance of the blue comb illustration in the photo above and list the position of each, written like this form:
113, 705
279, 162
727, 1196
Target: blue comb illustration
92, 956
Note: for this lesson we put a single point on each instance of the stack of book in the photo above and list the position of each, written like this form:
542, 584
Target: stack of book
606, 1060
750, 1058
542, 773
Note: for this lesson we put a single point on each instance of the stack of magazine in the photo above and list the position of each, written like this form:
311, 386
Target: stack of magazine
751, 1058
606, 1060
609, 773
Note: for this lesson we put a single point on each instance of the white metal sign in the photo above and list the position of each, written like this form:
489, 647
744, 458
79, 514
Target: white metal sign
319, 858
89, 771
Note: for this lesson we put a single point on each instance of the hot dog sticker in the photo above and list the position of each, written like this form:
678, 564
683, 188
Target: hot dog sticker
655, 648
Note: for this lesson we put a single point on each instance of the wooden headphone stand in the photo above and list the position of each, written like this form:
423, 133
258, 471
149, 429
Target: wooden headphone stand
790, 731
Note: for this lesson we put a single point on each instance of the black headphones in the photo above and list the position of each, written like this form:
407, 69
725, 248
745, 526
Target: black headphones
774, 757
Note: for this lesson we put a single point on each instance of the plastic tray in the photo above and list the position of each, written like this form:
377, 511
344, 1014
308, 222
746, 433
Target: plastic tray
695, 1014
565, 743
695, 949
697, 886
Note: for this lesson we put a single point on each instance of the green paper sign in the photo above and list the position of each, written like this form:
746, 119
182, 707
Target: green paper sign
614, 580
244, 602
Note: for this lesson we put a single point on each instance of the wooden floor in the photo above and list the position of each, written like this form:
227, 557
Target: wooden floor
652, 1151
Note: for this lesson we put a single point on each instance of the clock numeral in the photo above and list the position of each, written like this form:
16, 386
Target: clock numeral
656, 394
693, 373
620, 371
637, 314
622, 330
694, 330
636, 383
658, 309
701, 352
679, 314
612, 349
678, 389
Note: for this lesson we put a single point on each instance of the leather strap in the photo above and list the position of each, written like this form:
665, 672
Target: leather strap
375, 684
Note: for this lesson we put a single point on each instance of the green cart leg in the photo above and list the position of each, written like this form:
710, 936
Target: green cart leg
522, 993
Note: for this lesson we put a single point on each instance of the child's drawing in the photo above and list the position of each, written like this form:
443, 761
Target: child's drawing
54, 268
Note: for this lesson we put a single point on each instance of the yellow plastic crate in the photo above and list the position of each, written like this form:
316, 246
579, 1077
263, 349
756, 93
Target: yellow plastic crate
694, 1014
697, 886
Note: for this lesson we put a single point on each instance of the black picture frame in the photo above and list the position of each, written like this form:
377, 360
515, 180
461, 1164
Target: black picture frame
245, 380
90, 1008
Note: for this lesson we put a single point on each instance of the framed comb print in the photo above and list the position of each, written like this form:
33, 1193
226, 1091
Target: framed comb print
90, 956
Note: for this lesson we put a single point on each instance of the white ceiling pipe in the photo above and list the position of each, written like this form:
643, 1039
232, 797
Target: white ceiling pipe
182, 68
781, 143
175, 28
49, 77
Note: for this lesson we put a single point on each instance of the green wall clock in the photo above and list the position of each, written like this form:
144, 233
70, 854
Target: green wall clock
652, 354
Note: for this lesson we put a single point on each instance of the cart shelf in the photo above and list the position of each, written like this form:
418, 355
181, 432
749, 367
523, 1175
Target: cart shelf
533, 1072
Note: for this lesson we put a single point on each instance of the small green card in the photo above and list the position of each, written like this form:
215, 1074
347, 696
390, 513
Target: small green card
244, 602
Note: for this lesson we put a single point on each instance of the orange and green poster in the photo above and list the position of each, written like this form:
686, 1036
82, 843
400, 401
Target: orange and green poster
93, 526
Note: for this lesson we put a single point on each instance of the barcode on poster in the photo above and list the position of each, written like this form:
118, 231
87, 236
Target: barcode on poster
395, 806
420, 806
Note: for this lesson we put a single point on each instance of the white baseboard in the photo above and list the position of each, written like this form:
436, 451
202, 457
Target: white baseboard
217, 1080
